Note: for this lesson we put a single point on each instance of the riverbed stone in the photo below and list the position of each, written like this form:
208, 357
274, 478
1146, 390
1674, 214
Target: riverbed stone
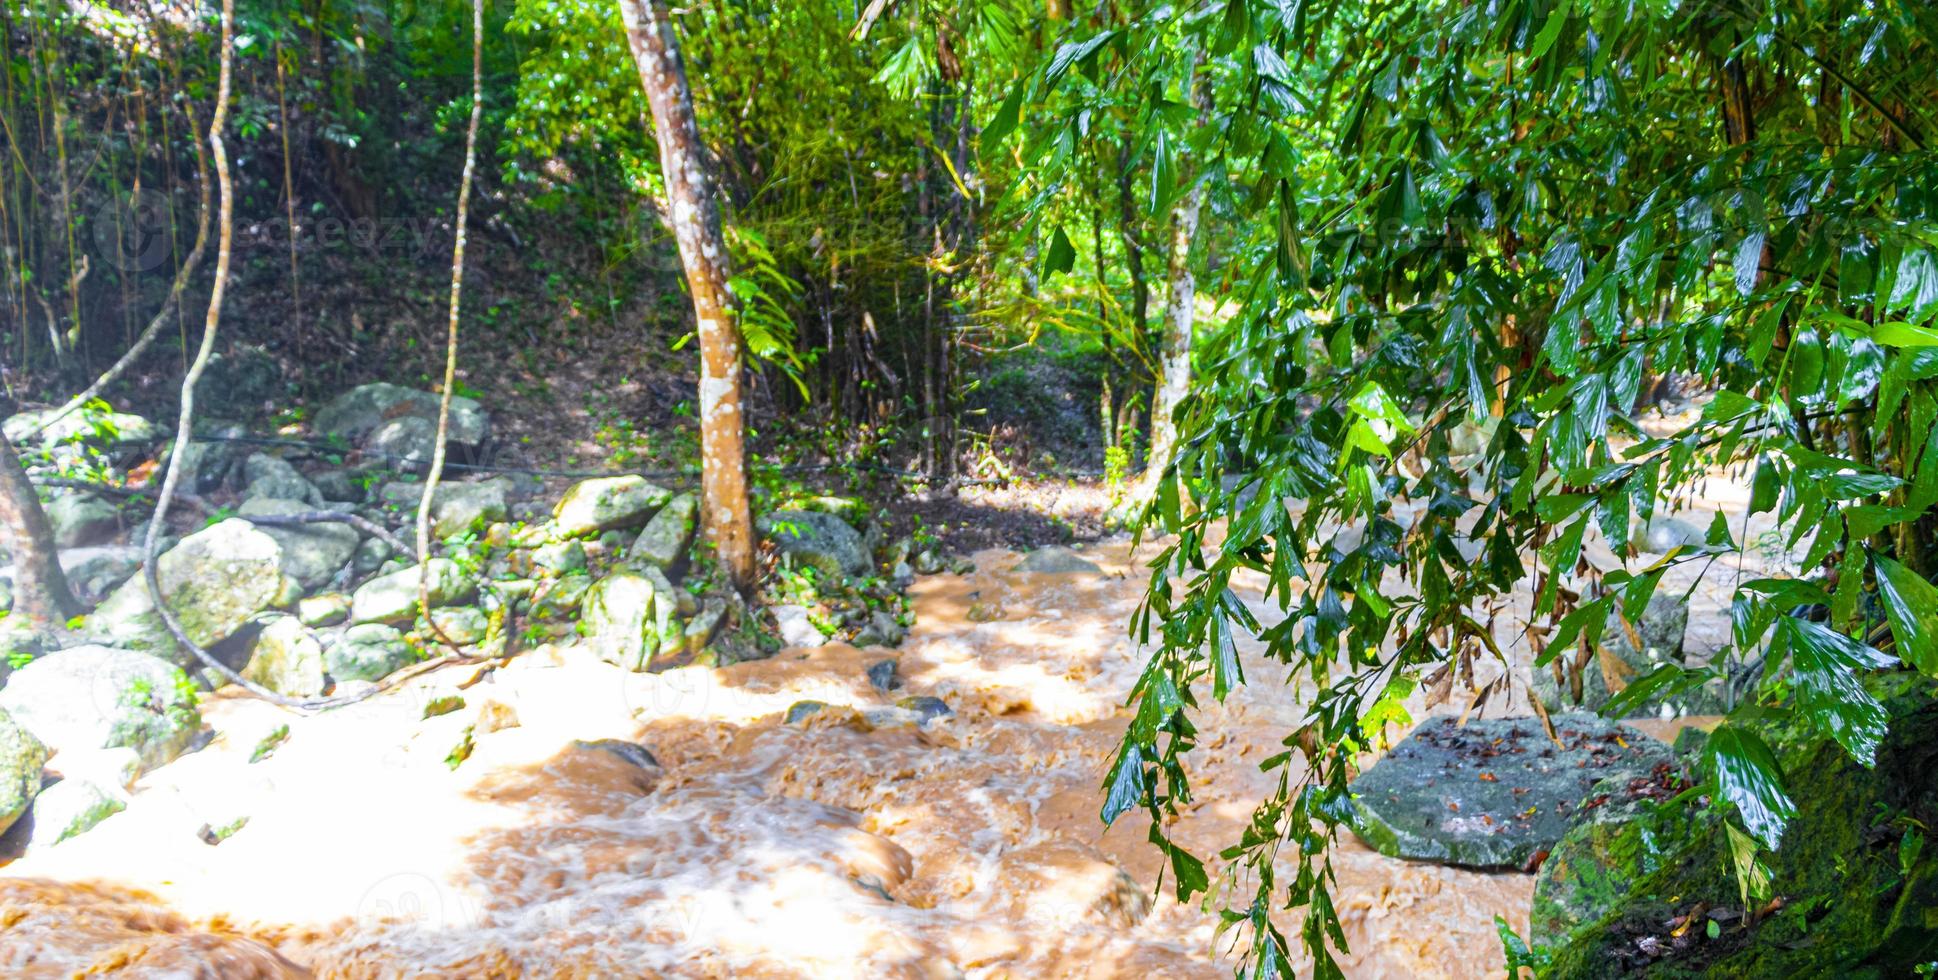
607, 503
824, 542
559, 598
313, 554
393, 598
462, 625
1494, 793
21, 758
81, 519
215, 580
94, 573
95, 697
665, 539
926, 708
1056, 560
797, 627
354, 415
457, 507
367, 652
287, 658
72, 807
624, 621
102, 430
327, 609
266, 477
1621, 834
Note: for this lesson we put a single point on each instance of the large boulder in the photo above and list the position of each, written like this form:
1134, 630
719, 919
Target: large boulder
81, 519
93, 697
393, 598
1851, 884
607, 503
313, 554
628, 620
361, 411
1618, 836
287, 658
1492, 793
406, 444
664, 541
456, 507
21, 758
215, 580
820, 541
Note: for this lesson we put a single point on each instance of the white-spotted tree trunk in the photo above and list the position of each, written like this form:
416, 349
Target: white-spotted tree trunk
693, 211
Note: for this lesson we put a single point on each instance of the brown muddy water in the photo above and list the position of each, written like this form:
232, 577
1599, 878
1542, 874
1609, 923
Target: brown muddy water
829, 848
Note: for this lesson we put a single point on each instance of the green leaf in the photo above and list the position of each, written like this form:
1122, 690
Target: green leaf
1003, 122
1062, 256
1912, 605
1897, 333
1126, 784
1829, 689
1747, 775
1551, 29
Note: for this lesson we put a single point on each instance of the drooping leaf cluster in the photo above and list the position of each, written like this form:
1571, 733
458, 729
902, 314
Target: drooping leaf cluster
1472, 239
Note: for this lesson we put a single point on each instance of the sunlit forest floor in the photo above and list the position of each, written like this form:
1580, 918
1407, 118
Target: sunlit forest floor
755, 847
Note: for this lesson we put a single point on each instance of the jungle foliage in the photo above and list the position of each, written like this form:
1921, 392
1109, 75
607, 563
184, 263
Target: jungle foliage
1491, 224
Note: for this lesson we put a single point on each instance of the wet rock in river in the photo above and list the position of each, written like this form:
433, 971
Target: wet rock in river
797, 628
1618, 837
1492, 794
21, 758
92, 697
801, 710
926, 708
631, 753
70, 808
883, 676
1061, 883
368, 652
1057, 561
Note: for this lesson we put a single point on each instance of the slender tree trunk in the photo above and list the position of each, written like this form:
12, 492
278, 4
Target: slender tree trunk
694, 213
442, 445
1174, 352
41, 596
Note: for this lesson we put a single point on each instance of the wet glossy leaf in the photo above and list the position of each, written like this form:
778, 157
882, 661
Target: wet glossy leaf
1748, 776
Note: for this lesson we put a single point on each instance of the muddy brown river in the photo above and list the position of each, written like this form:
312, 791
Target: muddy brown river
827, 848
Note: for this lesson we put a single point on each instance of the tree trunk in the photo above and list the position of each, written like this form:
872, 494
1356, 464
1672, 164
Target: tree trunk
1174, 353
40, 596
694, 213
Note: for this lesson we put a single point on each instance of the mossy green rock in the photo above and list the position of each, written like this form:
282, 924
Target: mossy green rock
93, 697
667, 536
456, 507
1619, 838
627, 620
606, 503
1856, 871
21, 758
369, 652
287, 658
215, 580
393, 598
1057, 561
357, 413
1494, 793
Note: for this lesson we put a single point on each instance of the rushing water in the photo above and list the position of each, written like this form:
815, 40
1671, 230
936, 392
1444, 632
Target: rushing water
828, 848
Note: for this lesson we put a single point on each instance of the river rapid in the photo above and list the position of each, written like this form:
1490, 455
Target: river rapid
831, 847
